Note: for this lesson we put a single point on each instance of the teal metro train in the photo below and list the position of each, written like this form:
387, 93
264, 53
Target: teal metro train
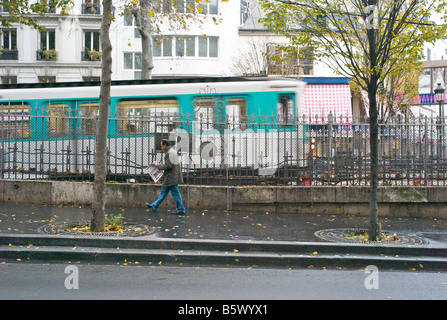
245, 122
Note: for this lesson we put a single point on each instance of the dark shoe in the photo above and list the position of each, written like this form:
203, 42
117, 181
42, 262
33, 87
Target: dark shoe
150, 207
180, 212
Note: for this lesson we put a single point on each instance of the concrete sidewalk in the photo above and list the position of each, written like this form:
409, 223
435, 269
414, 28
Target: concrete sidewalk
219, 225
219, 237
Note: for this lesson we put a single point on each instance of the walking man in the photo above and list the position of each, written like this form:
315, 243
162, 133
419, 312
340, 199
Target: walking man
173, 176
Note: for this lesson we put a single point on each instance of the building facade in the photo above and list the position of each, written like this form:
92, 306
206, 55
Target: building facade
60, 53
69, 48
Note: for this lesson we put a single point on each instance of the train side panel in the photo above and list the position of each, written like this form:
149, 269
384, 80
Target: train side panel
251, 125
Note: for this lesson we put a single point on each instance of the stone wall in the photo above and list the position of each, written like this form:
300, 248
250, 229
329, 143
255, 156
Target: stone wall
393, 201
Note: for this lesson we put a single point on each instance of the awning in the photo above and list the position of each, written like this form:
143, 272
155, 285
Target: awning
320, 99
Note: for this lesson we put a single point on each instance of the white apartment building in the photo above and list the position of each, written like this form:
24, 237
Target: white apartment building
255, 39
60, 53
68, 49
202, 50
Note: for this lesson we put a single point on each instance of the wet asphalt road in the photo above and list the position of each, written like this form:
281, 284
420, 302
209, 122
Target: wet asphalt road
25, 280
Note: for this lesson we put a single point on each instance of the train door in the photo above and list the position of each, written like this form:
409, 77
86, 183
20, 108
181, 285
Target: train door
58, 115
60, 136
287, 145
208, 122
146, 122
88, 111
236, 113
206, 113
285, 109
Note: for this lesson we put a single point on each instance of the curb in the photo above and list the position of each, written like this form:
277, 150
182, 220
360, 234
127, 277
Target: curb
237, 253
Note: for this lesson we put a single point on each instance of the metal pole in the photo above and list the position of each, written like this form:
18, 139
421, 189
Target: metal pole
441, 122
189, 154
2, 147
1, 163
329, 154
439, 134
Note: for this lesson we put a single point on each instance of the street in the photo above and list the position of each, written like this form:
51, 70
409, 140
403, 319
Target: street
32, 280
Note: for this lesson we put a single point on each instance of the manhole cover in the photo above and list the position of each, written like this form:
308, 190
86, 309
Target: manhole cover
130, 230
346, 235
436, 236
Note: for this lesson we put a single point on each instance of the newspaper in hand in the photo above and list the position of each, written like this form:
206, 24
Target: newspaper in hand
154, 172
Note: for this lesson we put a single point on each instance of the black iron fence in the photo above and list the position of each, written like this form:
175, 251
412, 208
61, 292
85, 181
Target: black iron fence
253, 150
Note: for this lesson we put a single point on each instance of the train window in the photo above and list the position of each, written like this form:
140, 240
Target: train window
15, 120
136, 113
204, 113
237, 113
58, 121
148, 108
89, 111
285, 110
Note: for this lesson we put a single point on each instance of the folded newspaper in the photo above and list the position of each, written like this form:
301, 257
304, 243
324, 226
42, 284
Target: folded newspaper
154, 172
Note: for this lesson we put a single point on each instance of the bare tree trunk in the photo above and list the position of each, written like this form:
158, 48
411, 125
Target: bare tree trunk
374, 151
144, 25
373, 130
98, 206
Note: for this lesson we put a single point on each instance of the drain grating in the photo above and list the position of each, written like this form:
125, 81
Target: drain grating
341, 235
131, 230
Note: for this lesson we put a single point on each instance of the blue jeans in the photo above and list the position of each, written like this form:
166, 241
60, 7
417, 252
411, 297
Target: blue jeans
175, 194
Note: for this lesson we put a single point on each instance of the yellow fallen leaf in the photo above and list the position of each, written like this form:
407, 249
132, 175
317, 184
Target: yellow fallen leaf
314, 253
235, 250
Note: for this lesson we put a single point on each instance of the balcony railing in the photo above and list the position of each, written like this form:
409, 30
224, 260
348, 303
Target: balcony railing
9, 55
91, 8
48, 55
49, 9
90, 55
